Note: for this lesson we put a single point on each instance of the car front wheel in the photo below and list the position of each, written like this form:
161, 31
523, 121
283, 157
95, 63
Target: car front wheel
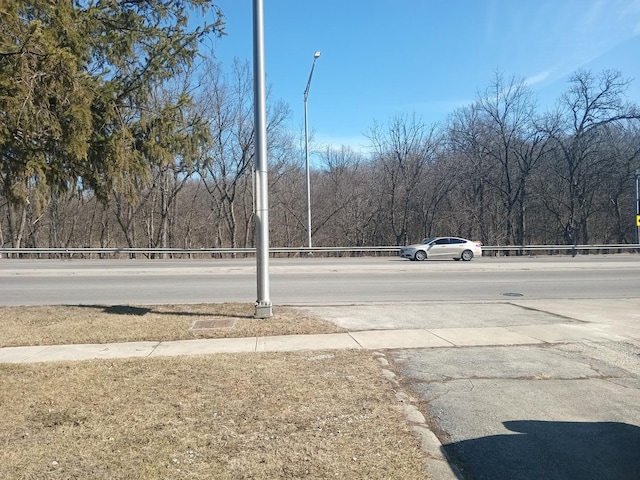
420, 255
467, 255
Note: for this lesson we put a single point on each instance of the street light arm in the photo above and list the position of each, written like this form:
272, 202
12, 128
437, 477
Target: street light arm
306, 90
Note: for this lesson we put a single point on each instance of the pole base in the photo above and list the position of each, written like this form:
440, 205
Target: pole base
263, 310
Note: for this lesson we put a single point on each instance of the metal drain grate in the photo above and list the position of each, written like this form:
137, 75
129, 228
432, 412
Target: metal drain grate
218, 323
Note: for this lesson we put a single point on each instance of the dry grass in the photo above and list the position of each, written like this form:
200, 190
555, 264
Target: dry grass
246, 416
52, 325
250, 416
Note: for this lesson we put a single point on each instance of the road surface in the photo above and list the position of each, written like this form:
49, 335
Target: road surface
317, 281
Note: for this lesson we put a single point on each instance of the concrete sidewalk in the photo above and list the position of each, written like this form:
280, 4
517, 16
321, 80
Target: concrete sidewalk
368, 340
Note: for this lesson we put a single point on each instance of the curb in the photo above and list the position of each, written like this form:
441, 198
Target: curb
438, 465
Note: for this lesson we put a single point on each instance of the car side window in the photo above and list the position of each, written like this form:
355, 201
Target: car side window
442, 241
457, 240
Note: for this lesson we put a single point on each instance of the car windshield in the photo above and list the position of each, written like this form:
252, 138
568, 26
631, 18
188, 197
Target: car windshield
427, 240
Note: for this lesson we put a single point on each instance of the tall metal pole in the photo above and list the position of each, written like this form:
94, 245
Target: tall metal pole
306, 149
263, 303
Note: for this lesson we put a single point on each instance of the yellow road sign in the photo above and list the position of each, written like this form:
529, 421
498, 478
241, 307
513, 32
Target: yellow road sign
638, 220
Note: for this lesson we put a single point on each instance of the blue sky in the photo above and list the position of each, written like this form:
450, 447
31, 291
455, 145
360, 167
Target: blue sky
381, 58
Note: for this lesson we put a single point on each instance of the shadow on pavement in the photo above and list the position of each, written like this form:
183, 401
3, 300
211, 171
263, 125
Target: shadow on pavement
141, 311
552, 451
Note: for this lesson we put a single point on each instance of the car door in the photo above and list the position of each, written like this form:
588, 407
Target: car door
440, 248
457, 246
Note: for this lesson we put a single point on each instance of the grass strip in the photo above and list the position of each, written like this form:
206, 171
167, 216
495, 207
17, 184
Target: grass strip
298, 415
57, 325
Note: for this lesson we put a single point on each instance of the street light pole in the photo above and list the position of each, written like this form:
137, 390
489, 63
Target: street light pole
263, 302
306, 149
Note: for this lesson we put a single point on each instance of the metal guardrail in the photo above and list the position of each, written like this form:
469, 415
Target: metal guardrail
188, 252
566, 248
338, 251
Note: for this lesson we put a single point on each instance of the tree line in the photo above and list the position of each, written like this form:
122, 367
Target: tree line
115, 133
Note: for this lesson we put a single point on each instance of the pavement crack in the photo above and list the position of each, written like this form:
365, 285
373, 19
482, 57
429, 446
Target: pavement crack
546, 312
153, 349
357, 342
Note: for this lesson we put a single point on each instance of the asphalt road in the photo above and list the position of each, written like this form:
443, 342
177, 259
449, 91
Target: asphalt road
316, 281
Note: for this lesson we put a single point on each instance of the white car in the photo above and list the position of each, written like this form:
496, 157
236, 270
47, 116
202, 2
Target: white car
442, 247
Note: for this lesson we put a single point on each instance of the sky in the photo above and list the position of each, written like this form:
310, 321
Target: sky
382, 58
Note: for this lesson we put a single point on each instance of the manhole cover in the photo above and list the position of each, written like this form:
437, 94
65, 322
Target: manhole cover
512, 294
219, 323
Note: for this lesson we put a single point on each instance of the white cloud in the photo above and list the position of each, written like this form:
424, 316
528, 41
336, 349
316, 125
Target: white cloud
359, 144
537, 78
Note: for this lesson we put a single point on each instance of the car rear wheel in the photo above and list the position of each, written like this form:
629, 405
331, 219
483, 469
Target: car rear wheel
420, 255
467, 255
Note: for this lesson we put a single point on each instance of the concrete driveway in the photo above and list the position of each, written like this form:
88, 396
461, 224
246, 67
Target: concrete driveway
522, 389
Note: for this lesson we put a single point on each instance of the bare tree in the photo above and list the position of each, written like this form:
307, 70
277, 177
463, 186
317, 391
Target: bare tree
614, 202
227, 103
436, 192
590, 104
403, 151
340, 203
465, 148
512, 142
